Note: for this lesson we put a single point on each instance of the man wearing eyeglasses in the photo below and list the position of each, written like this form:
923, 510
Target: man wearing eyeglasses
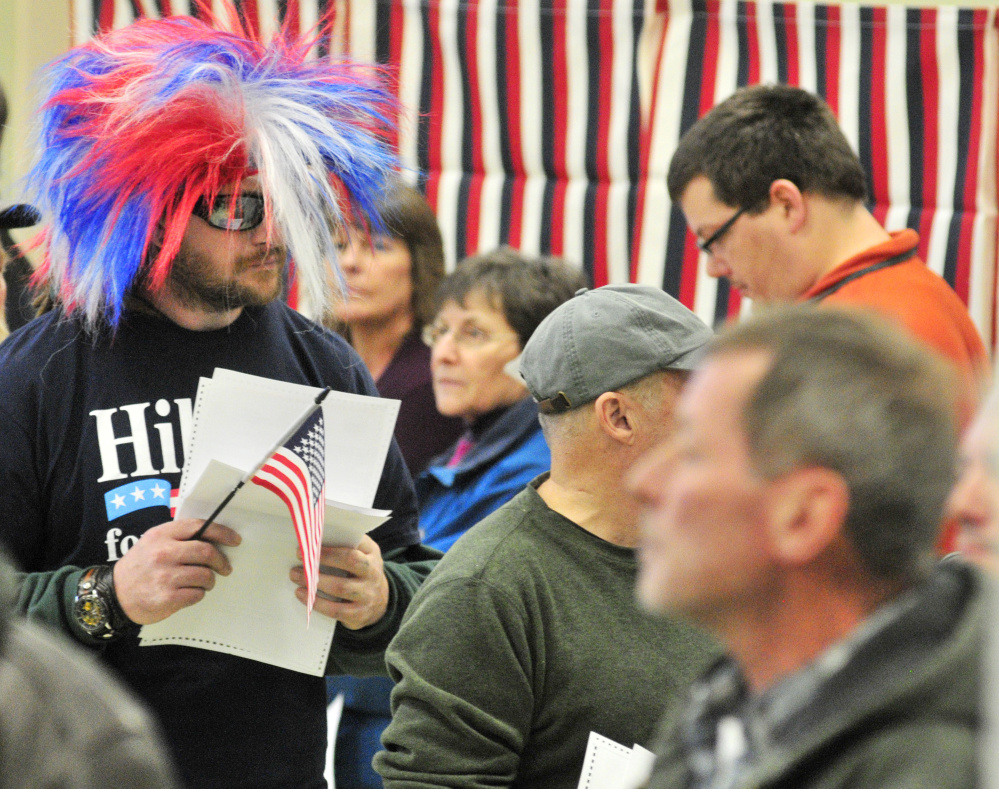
178, 170
775, 195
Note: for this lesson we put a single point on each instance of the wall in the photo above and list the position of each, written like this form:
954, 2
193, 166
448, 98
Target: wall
32, 32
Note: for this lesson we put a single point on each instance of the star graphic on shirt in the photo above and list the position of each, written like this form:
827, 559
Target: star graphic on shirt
138, 493
158, 491
118, 501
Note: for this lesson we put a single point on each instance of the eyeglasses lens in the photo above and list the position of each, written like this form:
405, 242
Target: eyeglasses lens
232, 213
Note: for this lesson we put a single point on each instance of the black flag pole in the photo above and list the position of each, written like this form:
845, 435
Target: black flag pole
309, 411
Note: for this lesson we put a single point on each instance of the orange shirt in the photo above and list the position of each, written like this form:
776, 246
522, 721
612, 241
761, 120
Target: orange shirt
926, 305
918, 298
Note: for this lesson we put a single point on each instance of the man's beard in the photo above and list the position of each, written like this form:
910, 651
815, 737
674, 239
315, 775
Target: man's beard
195, 283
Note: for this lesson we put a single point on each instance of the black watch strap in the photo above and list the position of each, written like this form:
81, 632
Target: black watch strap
96, 607
105, 586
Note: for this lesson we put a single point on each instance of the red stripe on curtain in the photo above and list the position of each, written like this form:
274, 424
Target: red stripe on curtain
879, 125
791, 42
832, 56
601, 167
969, 200
560, 122
709, 77
396, 27
750, 24
473, 120
251, 16
473, 211
292, 17
560, 86
709, 73
929, 68
601, 203
105, 19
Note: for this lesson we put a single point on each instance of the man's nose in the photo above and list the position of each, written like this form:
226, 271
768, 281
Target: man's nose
347, 258
716, 266
968, 501
268, 233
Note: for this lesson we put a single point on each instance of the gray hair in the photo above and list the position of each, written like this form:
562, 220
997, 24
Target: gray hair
848, 392
649, 391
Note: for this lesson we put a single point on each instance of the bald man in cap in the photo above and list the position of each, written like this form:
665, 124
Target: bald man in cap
528, 637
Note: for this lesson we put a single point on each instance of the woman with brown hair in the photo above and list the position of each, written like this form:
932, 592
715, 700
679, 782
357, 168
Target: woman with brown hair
390, 275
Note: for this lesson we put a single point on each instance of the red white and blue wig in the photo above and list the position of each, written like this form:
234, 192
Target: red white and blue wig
140, 123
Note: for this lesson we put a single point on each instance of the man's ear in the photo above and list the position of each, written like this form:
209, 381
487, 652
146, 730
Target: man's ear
793, 206
615, 416
807, 511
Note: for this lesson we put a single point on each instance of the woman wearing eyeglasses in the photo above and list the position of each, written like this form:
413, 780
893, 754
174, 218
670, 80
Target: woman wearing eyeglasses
483, 313
390, 278
486, 311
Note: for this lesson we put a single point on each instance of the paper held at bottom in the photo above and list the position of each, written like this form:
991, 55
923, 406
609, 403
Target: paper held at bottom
253, 612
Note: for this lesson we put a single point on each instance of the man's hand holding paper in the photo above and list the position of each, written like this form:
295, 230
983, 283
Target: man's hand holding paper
353, 588
237, 420
166, 570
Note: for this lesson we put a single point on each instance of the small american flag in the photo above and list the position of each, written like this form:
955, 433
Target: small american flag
296, 472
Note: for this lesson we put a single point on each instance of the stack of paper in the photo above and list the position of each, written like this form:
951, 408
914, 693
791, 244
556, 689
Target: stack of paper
253, 612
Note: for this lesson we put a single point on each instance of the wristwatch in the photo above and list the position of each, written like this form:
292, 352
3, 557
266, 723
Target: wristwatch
96, 608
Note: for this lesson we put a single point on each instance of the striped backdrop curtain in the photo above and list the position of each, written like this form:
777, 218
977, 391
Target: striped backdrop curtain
549, 124
914, 91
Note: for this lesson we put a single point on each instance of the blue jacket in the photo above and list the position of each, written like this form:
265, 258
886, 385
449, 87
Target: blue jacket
508, 455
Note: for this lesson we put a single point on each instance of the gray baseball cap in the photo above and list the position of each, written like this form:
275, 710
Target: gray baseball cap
603, 339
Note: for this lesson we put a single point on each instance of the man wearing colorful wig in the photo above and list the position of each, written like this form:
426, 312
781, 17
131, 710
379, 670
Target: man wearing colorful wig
179, 167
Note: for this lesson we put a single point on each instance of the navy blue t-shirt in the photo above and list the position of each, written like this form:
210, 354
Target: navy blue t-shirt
84, 422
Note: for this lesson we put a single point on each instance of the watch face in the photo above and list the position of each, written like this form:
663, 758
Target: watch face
91, 613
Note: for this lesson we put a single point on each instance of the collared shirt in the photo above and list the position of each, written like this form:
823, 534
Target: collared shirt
729, 729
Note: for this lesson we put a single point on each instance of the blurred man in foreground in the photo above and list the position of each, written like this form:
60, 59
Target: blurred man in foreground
793, 515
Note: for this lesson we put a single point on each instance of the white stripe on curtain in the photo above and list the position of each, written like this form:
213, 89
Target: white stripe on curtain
449, 212
948, 101
849, 74
531, 100
410, 75
363, 21
982, 285
896, 112
491, 198
618, 227
807, 69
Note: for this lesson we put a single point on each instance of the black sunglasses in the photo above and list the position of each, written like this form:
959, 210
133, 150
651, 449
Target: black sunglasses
229, 212
705, 245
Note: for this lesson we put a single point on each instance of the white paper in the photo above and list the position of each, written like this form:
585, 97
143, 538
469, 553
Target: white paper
610, 765
253, 612
238, 417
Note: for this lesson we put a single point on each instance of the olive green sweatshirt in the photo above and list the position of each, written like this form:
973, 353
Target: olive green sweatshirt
525, 638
